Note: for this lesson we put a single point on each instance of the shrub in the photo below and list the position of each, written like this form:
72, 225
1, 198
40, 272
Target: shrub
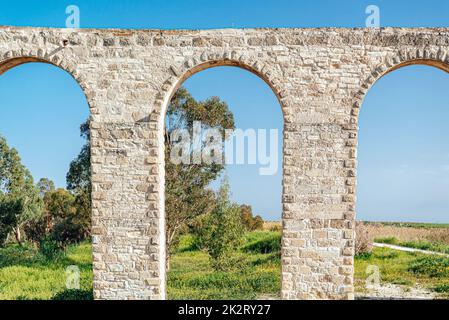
257, 223
68, 231
226, 233
424, 245
387, 240
8, 217
442, 288
74, 294
268, 243
250, 222
363, 243
386, 254
49, 248
36, 229
432, 266
365, 256
187, 242
201, 230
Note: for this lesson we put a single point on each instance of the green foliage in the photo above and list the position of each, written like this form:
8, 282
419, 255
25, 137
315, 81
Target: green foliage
80, 185
68, 231
60, 221
431, 266
187, 243
192, 275
263, 242
250, 222
226, 231
364, 256
187, 195
9, 211
425, 245
257, 223
442, 288
36, 229
201, 229
45, 185
394, 267
49, 248
59, 204
18, 194
387, 240
68, 225
74, 294
79, 175
387, 254
27, 274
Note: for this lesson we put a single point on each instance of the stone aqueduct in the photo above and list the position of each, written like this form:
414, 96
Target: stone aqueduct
320, 77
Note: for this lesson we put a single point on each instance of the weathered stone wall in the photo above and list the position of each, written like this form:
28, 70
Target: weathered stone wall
320, 77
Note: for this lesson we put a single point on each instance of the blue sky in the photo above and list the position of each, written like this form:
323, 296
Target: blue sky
403, 155
403, 170
40, 112
166, 14
254, 105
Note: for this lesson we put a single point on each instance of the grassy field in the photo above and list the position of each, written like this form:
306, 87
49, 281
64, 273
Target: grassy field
27, 275
256, 273
405, 269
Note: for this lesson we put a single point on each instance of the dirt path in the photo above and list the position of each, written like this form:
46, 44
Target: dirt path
389, 291
399, 248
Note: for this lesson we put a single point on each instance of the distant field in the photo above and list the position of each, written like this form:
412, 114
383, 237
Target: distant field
420, 225
437, 234
412, 224
272, 225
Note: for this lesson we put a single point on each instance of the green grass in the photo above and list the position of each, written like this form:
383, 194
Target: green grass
431, 266
255, 274
404, 268
422, 245
442, 288
27, 275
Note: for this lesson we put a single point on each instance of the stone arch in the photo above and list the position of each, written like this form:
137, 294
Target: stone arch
13, 59
179, 74
204, 61
438, 59
407, 57
403, 58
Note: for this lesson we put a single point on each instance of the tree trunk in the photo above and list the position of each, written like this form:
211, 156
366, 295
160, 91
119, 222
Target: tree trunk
18, 236
167, 261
